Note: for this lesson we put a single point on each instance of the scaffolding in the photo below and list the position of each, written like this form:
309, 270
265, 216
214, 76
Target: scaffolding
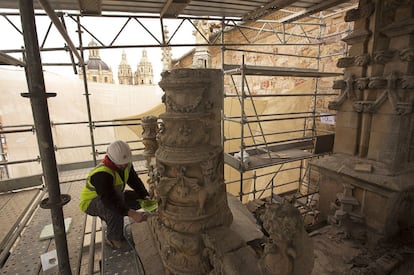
265, 154
70, 25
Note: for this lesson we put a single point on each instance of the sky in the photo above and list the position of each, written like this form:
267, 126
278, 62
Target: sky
105, 30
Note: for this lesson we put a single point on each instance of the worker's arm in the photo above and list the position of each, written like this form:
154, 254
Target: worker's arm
136, 184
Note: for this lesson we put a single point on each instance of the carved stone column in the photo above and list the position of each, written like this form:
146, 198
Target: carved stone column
149, 135
374, 143
189, 183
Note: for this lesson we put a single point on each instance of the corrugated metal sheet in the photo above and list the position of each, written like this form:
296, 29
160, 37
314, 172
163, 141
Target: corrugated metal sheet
173, 8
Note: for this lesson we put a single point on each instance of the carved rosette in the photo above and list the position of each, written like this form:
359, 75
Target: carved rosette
189, 184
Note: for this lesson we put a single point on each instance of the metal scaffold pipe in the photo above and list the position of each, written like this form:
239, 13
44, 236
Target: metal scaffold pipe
38, 100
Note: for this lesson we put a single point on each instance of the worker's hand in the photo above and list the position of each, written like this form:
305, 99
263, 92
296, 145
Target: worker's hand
137, 216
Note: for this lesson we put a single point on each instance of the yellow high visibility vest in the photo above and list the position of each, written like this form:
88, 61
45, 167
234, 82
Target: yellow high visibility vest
88, 192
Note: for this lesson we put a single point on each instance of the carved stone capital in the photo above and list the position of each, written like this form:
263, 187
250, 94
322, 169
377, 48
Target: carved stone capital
383, 57
404, 108
363, 106
349, 61
357, 36
377, 82
361, 83
362, 60
345, 62
339, 84
407, 54
407, 82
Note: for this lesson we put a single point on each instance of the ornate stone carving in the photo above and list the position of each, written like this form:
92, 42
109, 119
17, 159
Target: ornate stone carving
407, 82
149, 134
407, 54
289, 249
348, 92
345, 62
363, 106
189, 182
350, 61
390, 92
382, 57
361, 83
377, 82
362, 60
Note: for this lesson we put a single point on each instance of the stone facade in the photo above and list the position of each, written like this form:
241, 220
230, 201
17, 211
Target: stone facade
125, 71
144, 75
369, 178
96, 69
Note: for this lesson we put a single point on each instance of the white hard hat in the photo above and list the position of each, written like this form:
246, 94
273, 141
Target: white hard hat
119, 152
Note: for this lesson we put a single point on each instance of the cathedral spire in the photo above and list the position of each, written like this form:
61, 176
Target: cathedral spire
144, 74
124, 71
166, 52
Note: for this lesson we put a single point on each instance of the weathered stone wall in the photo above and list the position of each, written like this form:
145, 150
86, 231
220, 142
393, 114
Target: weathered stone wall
368, 179
313, 46
304, 55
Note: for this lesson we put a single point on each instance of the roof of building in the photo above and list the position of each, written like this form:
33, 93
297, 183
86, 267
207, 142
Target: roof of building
97, 64
247, 10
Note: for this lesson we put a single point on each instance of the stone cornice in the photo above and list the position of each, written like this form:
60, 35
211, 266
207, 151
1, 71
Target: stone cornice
357, 36
360, 13
400, 28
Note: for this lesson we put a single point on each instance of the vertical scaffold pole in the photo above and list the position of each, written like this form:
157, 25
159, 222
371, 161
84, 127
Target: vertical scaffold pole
38, 100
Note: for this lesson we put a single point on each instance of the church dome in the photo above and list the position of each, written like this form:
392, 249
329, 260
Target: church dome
95, 63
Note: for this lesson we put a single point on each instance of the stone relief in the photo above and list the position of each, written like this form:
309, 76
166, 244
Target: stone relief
407, 55
382, 57
288, 250
391, 86
188, 177
192, 226
350, 61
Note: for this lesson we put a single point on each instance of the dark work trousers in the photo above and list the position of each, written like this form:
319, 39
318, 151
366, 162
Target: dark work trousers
114, 221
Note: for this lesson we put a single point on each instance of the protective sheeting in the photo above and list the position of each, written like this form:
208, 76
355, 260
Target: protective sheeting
108, 102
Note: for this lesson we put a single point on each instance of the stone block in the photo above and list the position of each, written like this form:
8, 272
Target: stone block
347, 119
383, 147
243, 221
376, 207
390, 124
345, 140
328, 188
363, 167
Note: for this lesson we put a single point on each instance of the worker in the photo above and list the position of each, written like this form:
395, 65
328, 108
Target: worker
104, 194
